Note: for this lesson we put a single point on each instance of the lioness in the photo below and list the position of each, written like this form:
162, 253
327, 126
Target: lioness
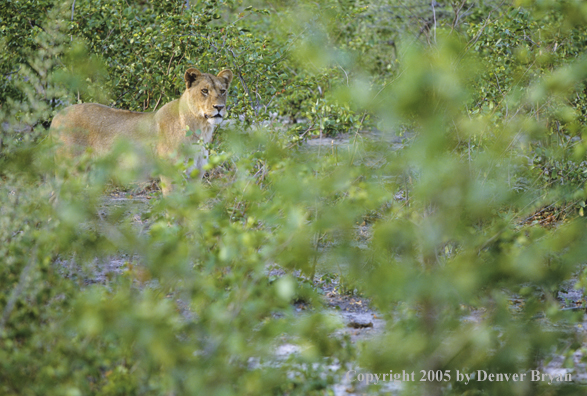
199, 109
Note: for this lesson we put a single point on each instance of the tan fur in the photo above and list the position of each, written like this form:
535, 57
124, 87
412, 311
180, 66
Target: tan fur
200, 108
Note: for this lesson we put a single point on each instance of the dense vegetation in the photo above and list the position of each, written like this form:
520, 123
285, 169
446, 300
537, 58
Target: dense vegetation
485, 101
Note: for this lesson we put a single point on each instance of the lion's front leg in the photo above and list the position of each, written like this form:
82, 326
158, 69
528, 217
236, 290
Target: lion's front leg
166, 185
200, 160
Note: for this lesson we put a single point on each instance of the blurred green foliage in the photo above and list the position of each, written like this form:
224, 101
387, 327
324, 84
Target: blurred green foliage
488, 97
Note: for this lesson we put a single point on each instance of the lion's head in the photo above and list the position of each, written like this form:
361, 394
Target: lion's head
207, 94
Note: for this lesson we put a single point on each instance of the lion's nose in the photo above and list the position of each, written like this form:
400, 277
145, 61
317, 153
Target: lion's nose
218, 107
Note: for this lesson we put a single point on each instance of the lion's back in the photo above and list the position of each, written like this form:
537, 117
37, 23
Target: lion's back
97, 126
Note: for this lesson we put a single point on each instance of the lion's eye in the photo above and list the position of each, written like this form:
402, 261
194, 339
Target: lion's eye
205, 91
222, 91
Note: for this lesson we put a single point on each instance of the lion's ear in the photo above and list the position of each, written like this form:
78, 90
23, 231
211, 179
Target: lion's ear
226, 75
190, 76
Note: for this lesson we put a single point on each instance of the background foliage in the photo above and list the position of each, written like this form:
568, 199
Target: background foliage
487, 99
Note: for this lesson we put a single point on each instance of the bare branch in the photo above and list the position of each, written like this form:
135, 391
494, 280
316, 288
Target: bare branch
240, 76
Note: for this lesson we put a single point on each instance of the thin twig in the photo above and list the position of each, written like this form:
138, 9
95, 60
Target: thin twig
356, 136
456, 18
257, 95
240, 76
472, 42
121, 95
345, 73
270, 100
16, 71
302, 135
433, 3
157, 104
169, 65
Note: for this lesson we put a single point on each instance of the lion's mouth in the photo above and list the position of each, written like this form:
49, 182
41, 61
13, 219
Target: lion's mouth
218, 115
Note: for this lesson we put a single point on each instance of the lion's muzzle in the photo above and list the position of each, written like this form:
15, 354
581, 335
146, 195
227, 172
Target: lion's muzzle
216, 118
